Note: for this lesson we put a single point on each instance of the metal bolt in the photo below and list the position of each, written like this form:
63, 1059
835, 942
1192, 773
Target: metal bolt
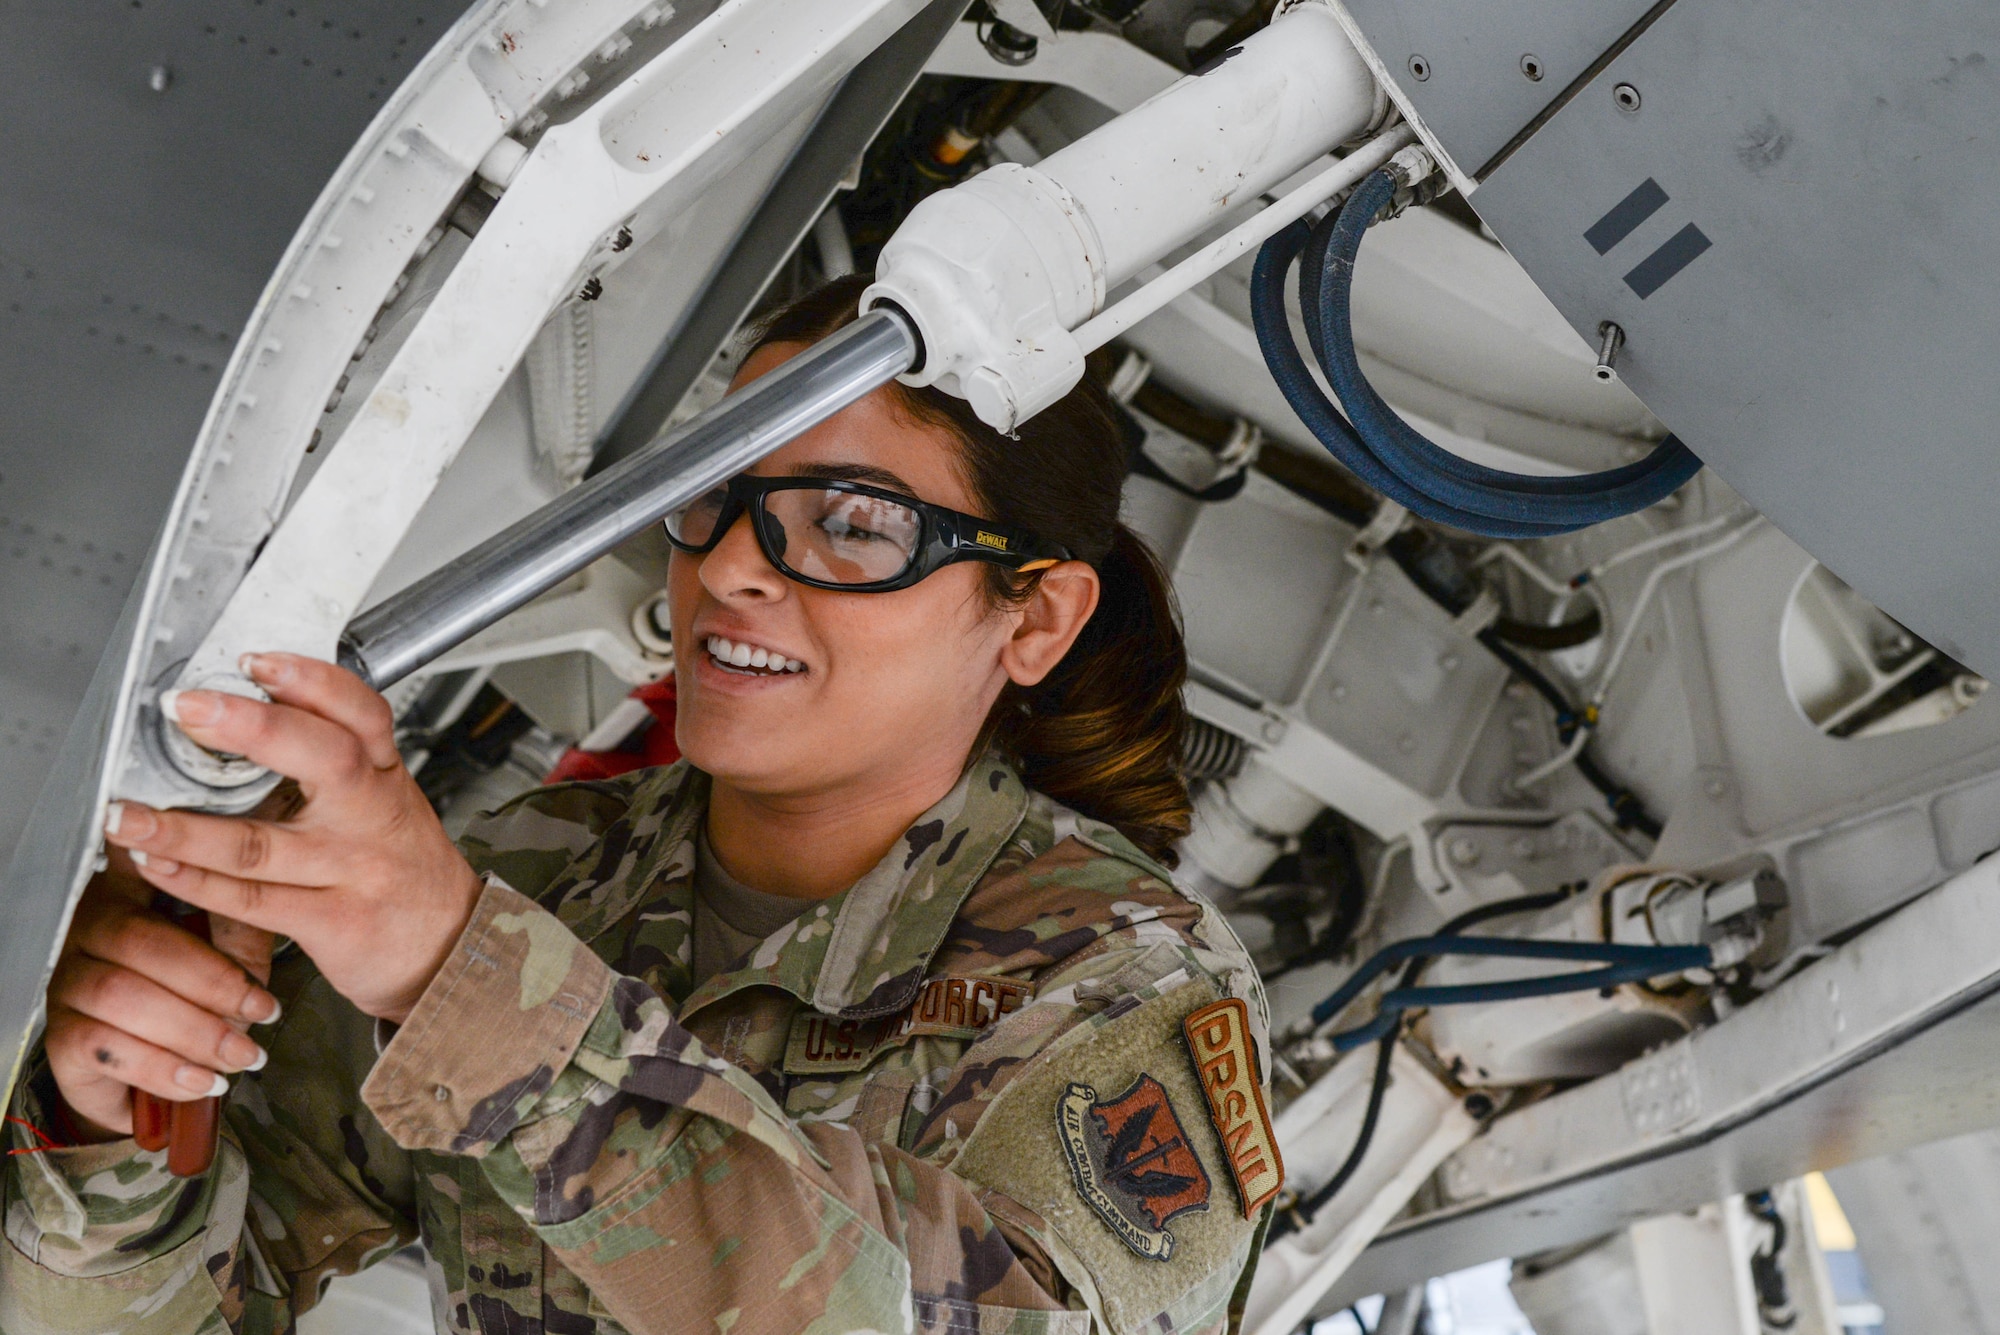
592, 289
1420, 69
1610, 338
1464, 851
1449, 662
1008, 45
1715, 788
1626, 96
1531, 65
623, 240
1478, 1106
160, 78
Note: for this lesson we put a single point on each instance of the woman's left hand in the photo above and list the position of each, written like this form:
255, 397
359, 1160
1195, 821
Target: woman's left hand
362, 876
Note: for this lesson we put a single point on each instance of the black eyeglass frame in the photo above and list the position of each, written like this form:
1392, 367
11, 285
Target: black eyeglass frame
945, 536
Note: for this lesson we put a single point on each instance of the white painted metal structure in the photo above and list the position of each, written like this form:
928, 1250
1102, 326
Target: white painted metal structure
403, 392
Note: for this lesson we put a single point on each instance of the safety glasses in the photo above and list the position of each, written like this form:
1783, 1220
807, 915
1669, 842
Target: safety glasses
850, 536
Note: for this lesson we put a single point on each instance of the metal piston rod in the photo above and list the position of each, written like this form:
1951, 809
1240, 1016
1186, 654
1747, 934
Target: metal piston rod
410, 628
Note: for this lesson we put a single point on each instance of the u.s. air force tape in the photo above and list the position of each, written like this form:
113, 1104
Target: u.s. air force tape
945, 1008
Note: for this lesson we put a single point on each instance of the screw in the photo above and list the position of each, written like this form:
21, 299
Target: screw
1464, 851
159, 78
1479, 1106
1626, 96
623, 240
1420, 69
1610, 338
592, 289
1531, 65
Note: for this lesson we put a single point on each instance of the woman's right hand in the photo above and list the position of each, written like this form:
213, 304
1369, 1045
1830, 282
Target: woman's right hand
140, 1002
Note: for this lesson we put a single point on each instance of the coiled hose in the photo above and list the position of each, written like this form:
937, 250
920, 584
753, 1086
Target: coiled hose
1380, 448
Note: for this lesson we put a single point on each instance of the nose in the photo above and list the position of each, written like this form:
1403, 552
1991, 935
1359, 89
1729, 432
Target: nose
734, 570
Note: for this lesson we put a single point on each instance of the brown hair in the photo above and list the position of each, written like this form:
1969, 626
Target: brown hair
1102, 732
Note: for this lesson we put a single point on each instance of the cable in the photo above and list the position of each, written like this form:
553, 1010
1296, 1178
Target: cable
1382, 449
1627, 810
1301, 1214
1767, 1270
1652, 544
1646, 591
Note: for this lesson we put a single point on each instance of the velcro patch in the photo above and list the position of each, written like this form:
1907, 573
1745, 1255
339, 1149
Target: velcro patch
1218, 1037
1132, 1162
962, 1008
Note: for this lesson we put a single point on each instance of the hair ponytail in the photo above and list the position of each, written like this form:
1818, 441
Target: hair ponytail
1102, 733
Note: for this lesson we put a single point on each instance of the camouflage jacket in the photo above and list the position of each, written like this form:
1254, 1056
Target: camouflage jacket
1008, 1081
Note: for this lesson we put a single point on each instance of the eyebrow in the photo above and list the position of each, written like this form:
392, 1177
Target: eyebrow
880, 477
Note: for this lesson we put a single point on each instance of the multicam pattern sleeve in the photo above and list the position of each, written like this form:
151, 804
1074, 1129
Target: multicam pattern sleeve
305, 1187
795, 1146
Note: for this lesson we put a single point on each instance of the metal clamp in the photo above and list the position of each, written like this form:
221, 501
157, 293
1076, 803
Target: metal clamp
1388, 520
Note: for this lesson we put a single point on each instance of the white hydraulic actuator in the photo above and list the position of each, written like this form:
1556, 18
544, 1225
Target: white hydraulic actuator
998, 271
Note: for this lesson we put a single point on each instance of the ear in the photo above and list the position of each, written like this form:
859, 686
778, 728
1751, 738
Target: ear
1055, 614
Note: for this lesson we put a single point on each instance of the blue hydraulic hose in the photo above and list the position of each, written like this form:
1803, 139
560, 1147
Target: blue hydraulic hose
1288, 368
1382, 449
1603, 495
1660, 959
1665, 959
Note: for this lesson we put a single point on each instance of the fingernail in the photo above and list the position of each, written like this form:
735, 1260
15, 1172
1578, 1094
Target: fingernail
191, 707
260, 1007
154, 863
269, 668
132, 820
242, 1053
200, 1080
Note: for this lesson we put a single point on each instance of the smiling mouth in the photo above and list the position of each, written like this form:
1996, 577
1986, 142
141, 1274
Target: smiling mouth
747, 660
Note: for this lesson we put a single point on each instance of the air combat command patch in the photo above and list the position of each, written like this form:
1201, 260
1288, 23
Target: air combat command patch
1132, 1162
1218, 1036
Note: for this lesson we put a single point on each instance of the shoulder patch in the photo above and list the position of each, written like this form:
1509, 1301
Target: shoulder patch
1132, 1162
1218, 1038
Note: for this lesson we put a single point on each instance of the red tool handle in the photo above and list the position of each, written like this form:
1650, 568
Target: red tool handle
186, 1131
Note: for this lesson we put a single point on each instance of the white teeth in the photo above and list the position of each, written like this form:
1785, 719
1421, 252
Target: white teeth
748, 656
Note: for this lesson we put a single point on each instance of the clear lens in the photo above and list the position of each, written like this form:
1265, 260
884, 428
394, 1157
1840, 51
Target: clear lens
694, 524
843, 538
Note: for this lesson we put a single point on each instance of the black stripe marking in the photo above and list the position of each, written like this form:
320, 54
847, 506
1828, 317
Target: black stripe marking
1625, 216
1675, 254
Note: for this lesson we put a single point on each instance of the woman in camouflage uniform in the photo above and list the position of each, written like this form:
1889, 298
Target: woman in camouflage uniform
879, 1012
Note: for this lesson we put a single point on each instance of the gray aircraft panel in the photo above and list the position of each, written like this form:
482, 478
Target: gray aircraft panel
1811, 305
136, 231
